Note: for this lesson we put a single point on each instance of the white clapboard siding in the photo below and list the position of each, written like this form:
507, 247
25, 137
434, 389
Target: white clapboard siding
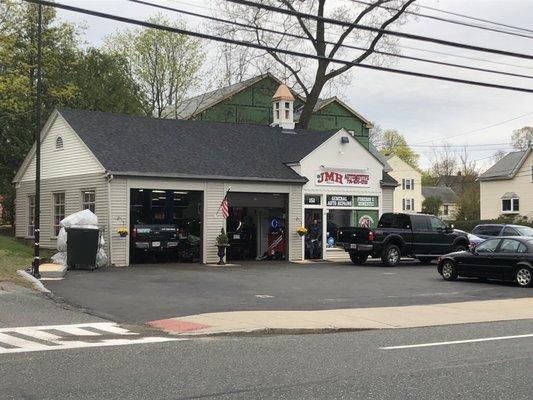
72, 186
295, 214
213, 222
388, 200
71, 160
119, 217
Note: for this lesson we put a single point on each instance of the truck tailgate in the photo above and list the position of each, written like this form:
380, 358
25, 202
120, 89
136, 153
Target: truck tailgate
350, 235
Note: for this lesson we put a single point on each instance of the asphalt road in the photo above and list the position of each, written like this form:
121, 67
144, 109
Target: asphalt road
334, 366
142, 293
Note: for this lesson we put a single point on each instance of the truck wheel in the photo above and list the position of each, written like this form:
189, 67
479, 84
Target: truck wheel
391, 255
425, 260
358, 259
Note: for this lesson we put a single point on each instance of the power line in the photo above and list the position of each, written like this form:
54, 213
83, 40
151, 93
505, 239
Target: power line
475, 18
384, 31
479, 129
274, 49
225, 21
451, 21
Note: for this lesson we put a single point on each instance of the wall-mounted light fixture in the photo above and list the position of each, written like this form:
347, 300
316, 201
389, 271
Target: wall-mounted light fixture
345, 140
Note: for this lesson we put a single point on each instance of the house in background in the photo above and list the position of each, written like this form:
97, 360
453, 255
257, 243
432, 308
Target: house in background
448, 208
250, 102
408, 194
506, 188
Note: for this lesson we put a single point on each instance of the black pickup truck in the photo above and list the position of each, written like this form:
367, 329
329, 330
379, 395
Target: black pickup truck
421, 236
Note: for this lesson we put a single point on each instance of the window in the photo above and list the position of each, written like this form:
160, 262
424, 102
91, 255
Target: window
488, 246
524, 230
508, 231
487, 230
31, 215
437, 224
509, 246
385, 221
408, 184
445, 209
408, 204
59, 211
59, 142
510, 205
420, 222
88, 200
401, 221
277, 110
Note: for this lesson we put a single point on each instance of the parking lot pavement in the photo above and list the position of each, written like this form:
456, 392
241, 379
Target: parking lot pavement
143, 293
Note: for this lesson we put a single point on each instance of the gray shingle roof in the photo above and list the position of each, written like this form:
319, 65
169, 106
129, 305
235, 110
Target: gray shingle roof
506, 167
137, 145
444, 193
387, 180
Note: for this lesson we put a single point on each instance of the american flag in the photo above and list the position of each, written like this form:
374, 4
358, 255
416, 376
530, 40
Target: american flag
224, 206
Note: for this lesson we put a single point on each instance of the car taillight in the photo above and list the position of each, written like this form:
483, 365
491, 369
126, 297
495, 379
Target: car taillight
370, 236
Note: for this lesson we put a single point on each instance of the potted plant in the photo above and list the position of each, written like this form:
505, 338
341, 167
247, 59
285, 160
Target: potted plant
301, 231
222, 242
123, 231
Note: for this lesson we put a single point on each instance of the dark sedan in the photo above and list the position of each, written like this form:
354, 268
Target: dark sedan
506, 259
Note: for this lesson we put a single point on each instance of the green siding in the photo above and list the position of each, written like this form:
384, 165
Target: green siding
253, 105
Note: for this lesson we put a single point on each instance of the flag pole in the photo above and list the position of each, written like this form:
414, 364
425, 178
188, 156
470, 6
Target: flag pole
220, 205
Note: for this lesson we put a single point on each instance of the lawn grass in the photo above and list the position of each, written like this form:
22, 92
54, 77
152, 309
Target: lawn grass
13, 256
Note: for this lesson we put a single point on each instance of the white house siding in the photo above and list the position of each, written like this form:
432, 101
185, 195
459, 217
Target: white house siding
400, 171
491, 192
387, 200
72, 160
349, 156
72, 186
119, 203
295, 220
213, 222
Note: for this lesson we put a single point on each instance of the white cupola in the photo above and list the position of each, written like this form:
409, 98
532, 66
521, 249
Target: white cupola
283, 108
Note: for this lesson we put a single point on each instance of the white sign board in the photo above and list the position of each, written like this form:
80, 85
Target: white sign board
331, 177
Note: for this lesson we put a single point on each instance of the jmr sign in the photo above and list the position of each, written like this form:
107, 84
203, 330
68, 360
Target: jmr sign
341, 178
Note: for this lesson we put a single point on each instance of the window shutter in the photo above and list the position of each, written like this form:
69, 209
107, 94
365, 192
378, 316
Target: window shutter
412, 204
412, 184
403, 204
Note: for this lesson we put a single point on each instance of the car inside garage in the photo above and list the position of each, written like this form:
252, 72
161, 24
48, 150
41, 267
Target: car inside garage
165, 225
256, 226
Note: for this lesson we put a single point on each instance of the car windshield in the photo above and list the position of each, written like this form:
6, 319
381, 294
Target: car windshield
524, 230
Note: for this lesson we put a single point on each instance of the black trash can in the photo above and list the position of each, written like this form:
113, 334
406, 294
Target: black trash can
82, 247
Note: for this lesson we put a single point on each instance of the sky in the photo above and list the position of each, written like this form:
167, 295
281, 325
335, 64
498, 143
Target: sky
428, 113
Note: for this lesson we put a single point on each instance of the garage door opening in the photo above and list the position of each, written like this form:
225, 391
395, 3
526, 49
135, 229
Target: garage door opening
256, 226
166, 225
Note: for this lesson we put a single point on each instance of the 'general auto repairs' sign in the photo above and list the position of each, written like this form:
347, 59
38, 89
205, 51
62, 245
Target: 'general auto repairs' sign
342, 178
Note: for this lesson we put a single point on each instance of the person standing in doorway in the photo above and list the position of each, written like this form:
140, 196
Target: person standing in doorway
315, 239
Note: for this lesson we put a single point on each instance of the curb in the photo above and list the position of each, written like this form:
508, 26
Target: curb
37, 284
269, 332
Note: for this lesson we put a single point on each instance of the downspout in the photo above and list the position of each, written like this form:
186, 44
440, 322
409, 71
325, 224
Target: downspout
110, 241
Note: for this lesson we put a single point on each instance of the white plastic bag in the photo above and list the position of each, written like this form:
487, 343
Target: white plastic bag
62, 240
101, 258
60, 258
80, 218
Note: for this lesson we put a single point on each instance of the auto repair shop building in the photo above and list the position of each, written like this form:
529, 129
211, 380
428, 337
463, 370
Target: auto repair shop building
110, 162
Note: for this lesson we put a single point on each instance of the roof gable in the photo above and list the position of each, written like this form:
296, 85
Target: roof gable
507, 167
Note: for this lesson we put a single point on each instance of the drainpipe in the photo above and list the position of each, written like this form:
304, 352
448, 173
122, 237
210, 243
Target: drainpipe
109, 178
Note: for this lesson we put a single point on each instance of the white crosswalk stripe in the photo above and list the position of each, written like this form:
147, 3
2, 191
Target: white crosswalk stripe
75, 336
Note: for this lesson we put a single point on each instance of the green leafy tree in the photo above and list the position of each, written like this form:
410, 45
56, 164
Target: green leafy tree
164, 64
431, 205
103, 84
427, 179
468, 205
393, 142
18, 53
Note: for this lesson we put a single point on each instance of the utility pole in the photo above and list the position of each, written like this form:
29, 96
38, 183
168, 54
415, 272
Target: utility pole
37, 136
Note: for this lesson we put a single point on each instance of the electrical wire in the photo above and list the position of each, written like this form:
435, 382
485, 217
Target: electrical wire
479, 129
211, 18
451, 21
380, 30
474, 18
274, 49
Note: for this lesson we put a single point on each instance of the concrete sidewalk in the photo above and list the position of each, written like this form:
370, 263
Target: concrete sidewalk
250, 322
